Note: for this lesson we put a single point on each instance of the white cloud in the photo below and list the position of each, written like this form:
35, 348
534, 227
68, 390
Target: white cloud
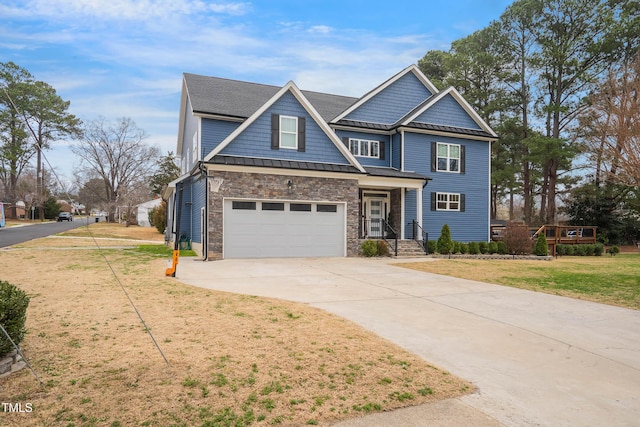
320, 29
138, 10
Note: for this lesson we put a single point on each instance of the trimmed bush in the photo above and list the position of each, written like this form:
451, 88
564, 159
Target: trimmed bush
369, 248
474, 248
502, 248
570, 250
464, 248
445, 244
561, 250
484, 247
541, 248
432, 246
580, 250
589, 249
599, 249
456, 248
382, 248
493, 247
614, 250
13, 315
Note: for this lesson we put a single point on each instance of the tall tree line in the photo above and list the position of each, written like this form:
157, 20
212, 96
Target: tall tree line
532, 75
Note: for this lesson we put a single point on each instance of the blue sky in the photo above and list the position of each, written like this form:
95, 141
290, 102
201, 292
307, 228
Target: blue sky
125, 58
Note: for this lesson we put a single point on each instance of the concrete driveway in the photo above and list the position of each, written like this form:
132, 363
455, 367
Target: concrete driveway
537, 359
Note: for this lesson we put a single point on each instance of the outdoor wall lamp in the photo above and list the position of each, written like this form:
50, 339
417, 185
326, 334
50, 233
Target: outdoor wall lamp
290, 186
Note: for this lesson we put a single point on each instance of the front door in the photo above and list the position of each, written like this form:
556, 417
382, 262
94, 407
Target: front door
376, 217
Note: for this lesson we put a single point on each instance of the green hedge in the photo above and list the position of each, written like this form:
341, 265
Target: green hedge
13, 315
580, 250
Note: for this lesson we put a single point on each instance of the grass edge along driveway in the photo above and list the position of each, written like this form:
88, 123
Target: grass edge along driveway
606, 279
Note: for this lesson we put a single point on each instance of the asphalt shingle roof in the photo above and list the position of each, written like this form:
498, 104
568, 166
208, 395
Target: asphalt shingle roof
234, 98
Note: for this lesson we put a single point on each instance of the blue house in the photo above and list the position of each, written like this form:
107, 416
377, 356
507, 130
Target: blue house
273, 171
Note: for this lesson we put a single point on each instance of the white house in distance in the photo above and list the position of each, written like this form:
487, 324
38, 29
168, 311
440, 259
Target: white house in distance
143, 209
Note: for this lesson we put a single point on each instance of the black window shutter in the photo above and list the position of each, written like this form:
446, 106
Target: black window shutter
345, 141
462, 159
381, 149
302, 134
433, 201
462, 202
275, 131
434, 157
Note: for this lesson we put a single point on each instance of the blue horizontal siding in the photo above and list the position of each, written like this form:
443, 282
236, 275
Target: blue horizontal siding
185, 213
394, 102
396, 151
198, 197
448, 112
214, 132
255, 140
471, 225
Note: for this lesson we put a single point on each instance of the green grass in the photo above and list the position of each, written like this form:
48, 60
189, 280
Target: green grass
605, 279
162, 250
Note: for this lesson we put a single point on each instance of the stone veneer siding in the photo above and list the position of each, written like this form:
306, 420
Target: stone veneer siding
265, 186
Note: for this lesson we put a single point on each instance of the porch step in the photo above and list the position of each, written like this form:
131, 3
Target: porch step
409, 248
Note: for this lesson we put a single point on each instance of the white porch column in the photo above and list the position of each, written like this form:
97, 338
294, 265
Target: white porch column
419, 206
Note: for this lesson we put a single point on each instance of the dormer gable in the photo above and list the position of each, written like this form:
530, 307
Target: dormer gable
277, 120
391, 100
447, 108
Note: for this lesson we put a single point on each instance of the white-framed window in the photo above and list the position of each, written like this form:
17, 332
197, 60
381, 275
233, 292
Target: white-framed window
364, 148
289, 132
448, 157
448, 201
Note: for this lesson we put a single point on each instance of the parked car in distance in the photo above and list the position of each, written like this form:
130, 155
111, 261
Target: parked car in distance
65, 216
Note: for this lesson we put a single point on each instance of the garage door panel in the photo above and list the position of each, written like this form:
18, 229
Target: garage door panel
259, 233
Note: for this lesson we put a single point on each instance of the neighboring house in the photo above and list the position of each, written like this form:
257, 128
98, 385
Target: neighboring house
143, 210
273, 171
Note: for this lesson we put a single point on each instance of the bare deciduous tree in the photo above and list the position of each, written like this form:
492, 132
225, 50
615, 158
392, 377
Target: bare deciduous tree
612, 126
118, 154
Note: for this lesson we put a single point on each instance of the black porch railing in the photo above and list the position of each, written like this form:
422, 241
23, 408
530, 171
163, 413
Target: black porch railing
421, 236
378, 228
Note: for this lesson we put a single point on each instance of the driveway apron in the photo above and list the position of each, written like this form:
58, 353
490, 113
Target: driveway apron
537, 359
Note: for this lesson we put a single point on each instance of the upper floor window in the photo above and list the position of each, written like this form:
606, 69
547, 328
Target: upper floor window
448, 157
288, 132
364, 148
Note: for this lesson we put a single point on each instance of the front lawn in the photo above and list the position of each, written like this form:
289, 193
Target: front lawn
605, 279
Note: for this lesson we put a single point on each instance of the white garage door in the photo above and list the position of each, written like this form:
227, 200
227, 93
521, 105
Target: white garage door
272, 228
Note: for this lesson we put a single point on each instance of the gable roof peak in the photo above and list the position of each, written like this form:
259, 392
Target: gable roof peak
366, 97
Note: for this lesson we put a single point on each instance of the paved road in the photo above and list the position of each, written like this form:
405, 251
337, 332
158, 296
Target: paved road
13, 235
537, 359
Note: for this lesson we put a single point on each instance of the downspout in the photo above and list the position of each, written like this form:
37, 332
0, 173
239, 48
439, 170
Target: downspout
205, 226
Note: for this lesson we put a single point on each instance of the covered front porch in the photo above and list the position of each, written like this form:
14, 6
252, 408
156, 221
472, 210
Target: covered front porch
390, 206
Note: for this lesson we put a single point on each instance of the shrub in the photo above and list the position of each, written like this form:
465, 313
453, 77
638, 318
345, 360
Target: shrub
599, 249
516, 237
382, 248
158, 217
464, 248
502, 248
541, 248
432, 246
589, 249
570, 250
13, 315
484, 247
369, 248
493, 247
580, 250
561, 250
456, 248
614, 250
445, 244
474, 248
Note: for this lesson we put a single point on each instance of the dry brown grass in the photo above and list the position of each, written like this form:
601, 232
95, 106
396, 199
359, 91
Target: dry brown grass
234, 358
